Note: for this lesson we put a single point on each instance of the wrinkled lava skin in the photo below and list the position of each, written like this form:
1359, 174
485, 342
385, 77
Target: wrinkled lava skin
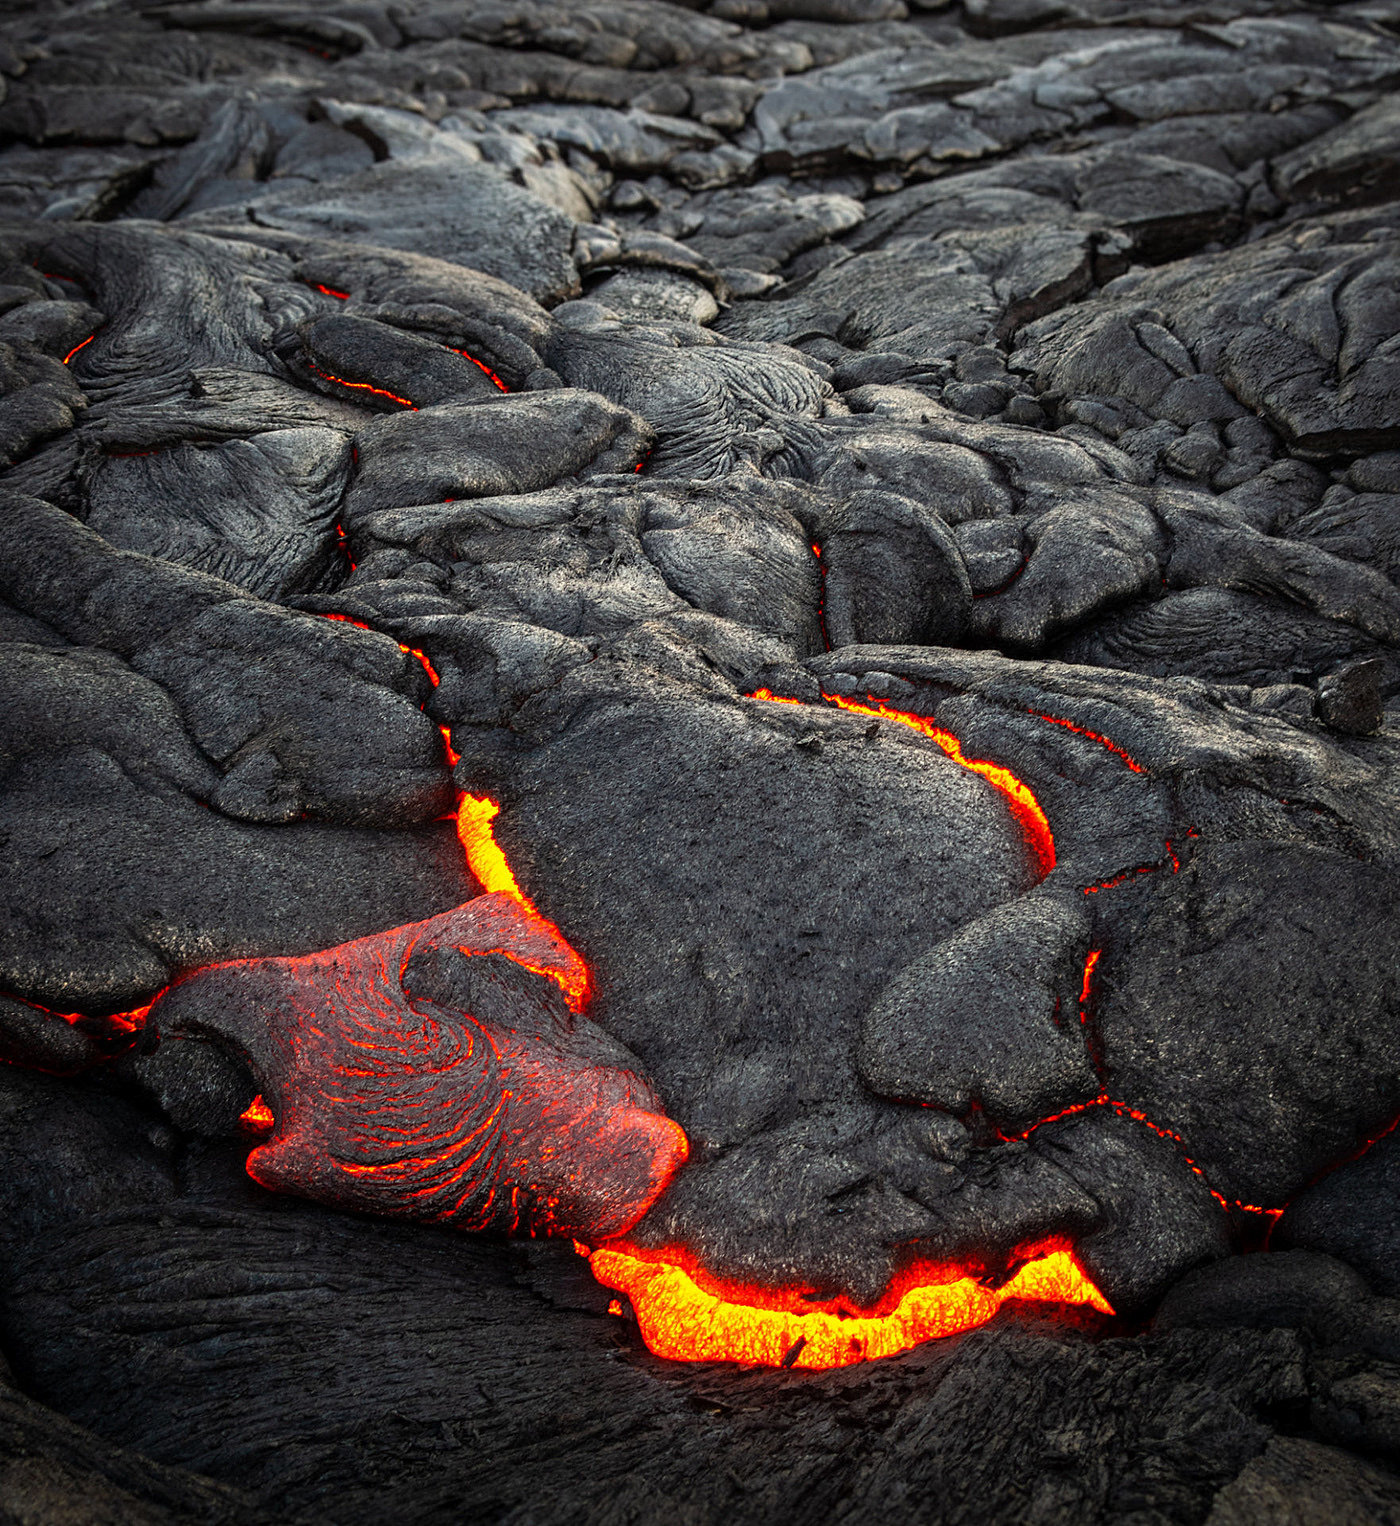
389, 1096
749, 648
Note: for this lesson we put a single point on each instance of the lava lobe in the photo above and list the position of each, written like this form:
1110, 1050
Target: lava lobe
436, 1072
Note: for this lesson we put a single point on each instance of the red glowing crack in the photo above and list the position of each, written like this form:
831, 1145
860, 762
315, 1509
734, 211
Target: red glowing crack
821, 596
393, 397
411, 651
86, 342
1170, 860
482, 366
113, 1025
1092, 736
340, 381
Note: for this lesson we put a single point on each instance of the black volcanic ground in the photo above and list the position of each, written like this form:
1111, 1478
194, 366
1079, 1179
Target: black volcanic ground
1012, 381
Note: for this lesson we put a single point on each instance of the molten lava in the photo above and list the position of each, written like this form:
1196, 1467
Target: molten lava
488, 864
1091, 961
687, 1316
114, 1025
821, 596
86, 342
418, 1073
1024, 806
1093, 736
340, 381
482, 366
380, 1098
408, 651
257, 1116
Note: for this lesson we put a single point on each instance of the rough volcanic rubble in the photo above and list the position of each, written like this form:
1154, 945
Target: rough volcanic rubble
889, 517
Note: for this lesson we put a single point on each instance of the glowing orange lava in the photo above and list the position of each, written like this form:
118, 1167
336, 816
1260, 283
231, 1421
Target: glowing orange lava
116, 1023
480, 365
78, 347
257, 1116
361, 387
486, 861
687, 1316
411, 651
1093, 736
1024, 806
1091, 960
428, 668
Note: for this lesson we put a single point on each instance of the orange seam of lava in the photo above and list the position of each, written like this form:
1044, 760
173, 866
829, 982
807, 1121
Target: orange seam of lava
680, 1320
361, 386
480, 365
408, 651
1024, 806
1093, 736
488, 863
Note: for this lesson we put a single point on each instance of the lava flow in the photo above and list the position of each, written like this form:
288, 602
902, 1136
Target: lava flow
688, 1316
420, 1073
486, 861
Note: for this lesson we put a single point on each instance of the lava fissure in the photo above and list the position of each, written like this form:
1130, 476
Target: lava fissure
1170, 859
1093, 1043
1025, 808
434, 677
85, 343
488, 863
479, 364
340, 381
821, 596
102, 1024
1092, 736
1136, 1115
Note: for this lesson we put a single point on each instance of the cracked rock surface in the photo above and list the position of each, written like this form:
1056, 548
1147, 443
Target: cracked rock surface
892, 509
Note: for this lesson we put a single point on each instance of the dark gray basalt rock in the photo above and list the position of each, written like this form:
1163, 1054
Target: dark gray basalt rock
894, 508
